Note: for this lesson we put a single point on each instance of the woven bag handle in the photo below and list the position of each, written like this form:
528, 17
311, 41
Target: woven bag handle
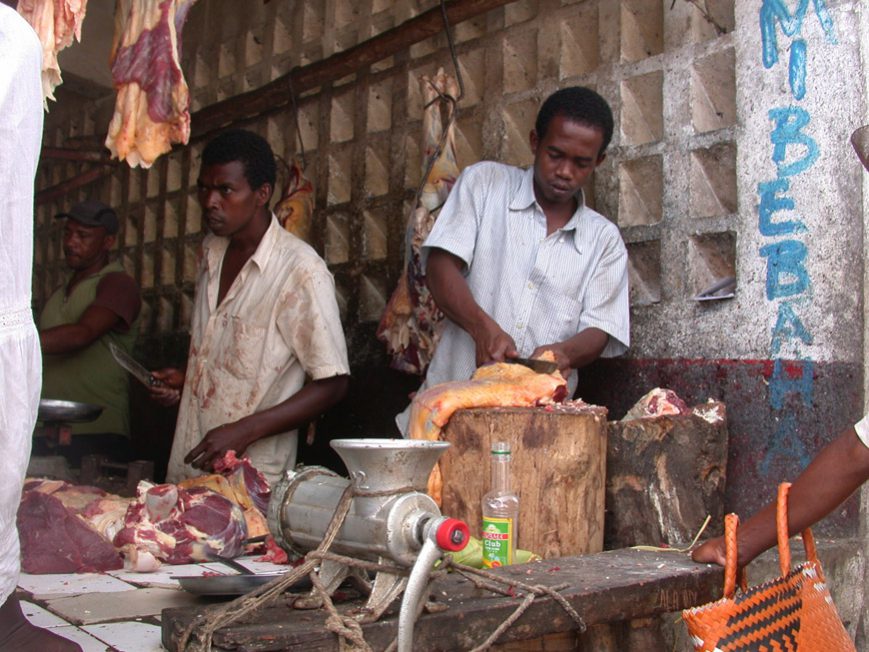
731, 575
781, 526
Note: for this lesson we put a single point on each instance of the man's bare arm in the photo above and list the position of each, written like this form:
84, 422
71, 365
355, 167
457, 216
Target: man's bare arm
583, 348
95, 322
835, 473
453, 296
308, 403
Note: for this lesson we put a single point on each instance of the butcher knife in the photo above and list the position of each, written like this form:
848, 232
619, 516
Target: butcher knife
540, 366
129, 363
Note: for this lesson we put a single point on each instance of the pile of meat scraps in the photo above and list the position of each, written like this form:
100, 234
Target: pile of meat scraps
658, 402
66, 528
495, 385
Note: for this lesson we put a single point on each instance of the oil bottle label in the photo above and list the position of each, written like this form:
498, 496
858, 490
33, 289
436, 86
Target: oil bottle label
497, 542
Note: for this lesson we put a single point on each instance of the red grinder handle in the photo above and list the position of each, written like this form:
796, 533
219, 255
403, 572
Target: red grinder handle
452, 535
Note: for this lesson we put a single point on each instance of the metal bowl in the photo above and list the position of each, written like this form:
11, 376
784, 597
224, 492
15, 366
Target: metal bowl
56, 411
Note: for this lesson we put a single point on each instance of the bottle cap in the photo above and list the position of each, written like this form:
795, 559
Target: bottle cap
500, 448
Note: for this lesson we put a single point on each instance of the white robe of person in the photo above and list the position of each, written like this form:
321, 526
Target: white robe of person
21, 119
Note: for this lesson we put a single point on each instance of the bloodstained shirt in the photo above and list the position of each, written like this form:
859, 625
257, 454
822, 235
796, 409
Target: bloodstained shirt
278, 324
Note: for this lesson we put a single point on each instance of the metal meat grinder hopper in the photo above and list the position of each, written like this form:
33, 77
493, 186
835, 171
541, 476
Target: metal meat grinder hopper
391, 518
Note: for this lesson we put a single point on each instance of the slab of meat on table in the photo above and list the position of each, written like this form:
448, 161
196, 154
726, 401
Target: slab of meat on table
168, 524
55, 22
494, 385
238, 480
152, 107
72, 528
56, 539
409, 325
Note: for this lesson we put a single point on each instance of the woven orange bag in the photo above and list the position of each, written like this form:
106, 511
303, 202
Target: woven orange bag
792, 613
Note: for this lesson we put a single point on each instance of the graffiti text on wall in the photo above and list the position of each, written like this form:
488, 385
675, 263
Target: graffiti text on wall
788, 281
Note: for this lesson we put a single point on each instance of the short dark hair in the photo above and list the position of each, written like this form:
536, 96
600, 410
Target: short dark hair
250, 149
578, 104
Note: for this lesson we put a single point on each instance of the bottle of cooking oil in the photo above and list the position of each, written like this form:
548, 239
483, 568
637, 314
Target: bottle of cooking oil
500, 511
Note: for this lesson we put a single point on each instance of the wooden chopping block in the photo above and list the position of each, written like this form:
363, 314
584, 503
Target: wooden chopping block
664, 475
558, 468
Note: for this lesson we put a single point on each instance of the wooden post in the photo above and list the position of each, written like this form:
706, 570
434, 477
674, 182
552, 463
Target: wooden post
664, 476
558, 466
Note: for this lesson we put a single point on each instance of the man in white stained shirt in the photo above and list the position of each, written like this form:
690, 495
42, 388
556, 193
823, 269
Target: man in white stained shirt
520, 265
20, 361
265, 317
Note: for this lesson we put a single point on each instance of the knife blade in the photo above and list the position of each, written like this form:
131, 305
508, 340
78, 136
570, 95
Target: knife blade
540, 366
130, 364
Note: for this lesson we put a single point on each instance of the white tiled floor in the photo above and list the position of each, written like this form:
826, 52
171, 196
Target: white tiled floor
45, 586
128, 636
89, 608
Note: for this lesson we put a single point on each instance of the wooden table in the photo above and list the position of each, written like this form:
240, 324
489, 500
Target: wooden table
603, 587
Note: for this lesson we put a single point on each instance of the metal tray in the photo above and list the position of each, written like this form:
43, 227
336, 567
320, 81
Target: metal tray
233, 584
56, 411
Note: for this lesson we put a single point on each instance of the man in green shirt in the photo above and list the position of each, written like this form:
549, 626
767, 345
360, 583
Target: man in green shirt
96, 303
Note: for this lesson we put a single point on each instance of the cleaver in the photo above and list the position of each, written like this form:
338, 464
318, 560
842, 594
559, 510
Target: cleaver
540, 366
130, 364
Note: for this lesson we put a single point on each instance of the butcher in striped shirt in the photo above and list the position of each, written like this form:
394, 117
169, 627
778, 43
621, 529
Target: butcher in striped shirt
519, 264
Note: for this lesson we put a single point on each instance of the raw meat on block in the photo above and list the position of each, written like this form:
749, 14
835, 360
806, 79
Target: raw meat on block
495, 385
54, 539
152, 107
55, 22
410, 322
656, 403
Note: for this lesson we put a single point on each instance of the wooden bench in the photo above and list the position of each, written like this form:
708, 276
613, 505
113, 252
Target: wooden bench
605, 587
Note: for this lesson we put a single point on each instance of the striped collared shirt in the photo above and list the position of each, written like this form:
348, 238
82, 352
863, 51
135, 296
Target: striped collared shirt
540, 289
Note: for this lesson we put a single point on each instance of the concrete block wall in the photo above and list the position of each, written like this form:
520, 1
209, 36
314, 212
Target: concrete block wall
361, 135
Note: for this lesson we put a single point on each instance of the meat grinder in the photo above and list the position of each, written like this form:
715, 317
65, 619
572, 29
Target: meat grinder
390, 520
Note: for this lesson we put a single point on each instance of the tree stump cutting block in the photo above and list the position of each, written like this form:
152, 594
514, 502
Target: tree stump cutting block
558, 468
664, 476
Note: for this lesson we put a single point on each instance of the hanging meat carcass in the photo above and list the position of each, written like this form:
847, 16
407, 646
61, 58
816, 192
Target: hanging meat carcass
295, 208
499, 384
409, 325
152, 107
56, 22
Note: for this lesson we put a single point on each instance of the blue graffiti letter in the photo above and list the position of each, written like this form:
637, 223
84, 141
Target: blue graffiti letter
786, 275
791, 25
797, 69
781, 384
773, 200
784, 444
788, 130
788, 327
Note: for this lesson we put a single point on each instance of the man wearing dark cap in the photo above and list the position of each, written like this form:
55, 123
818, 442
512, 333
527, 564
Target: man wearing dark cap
97, 303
